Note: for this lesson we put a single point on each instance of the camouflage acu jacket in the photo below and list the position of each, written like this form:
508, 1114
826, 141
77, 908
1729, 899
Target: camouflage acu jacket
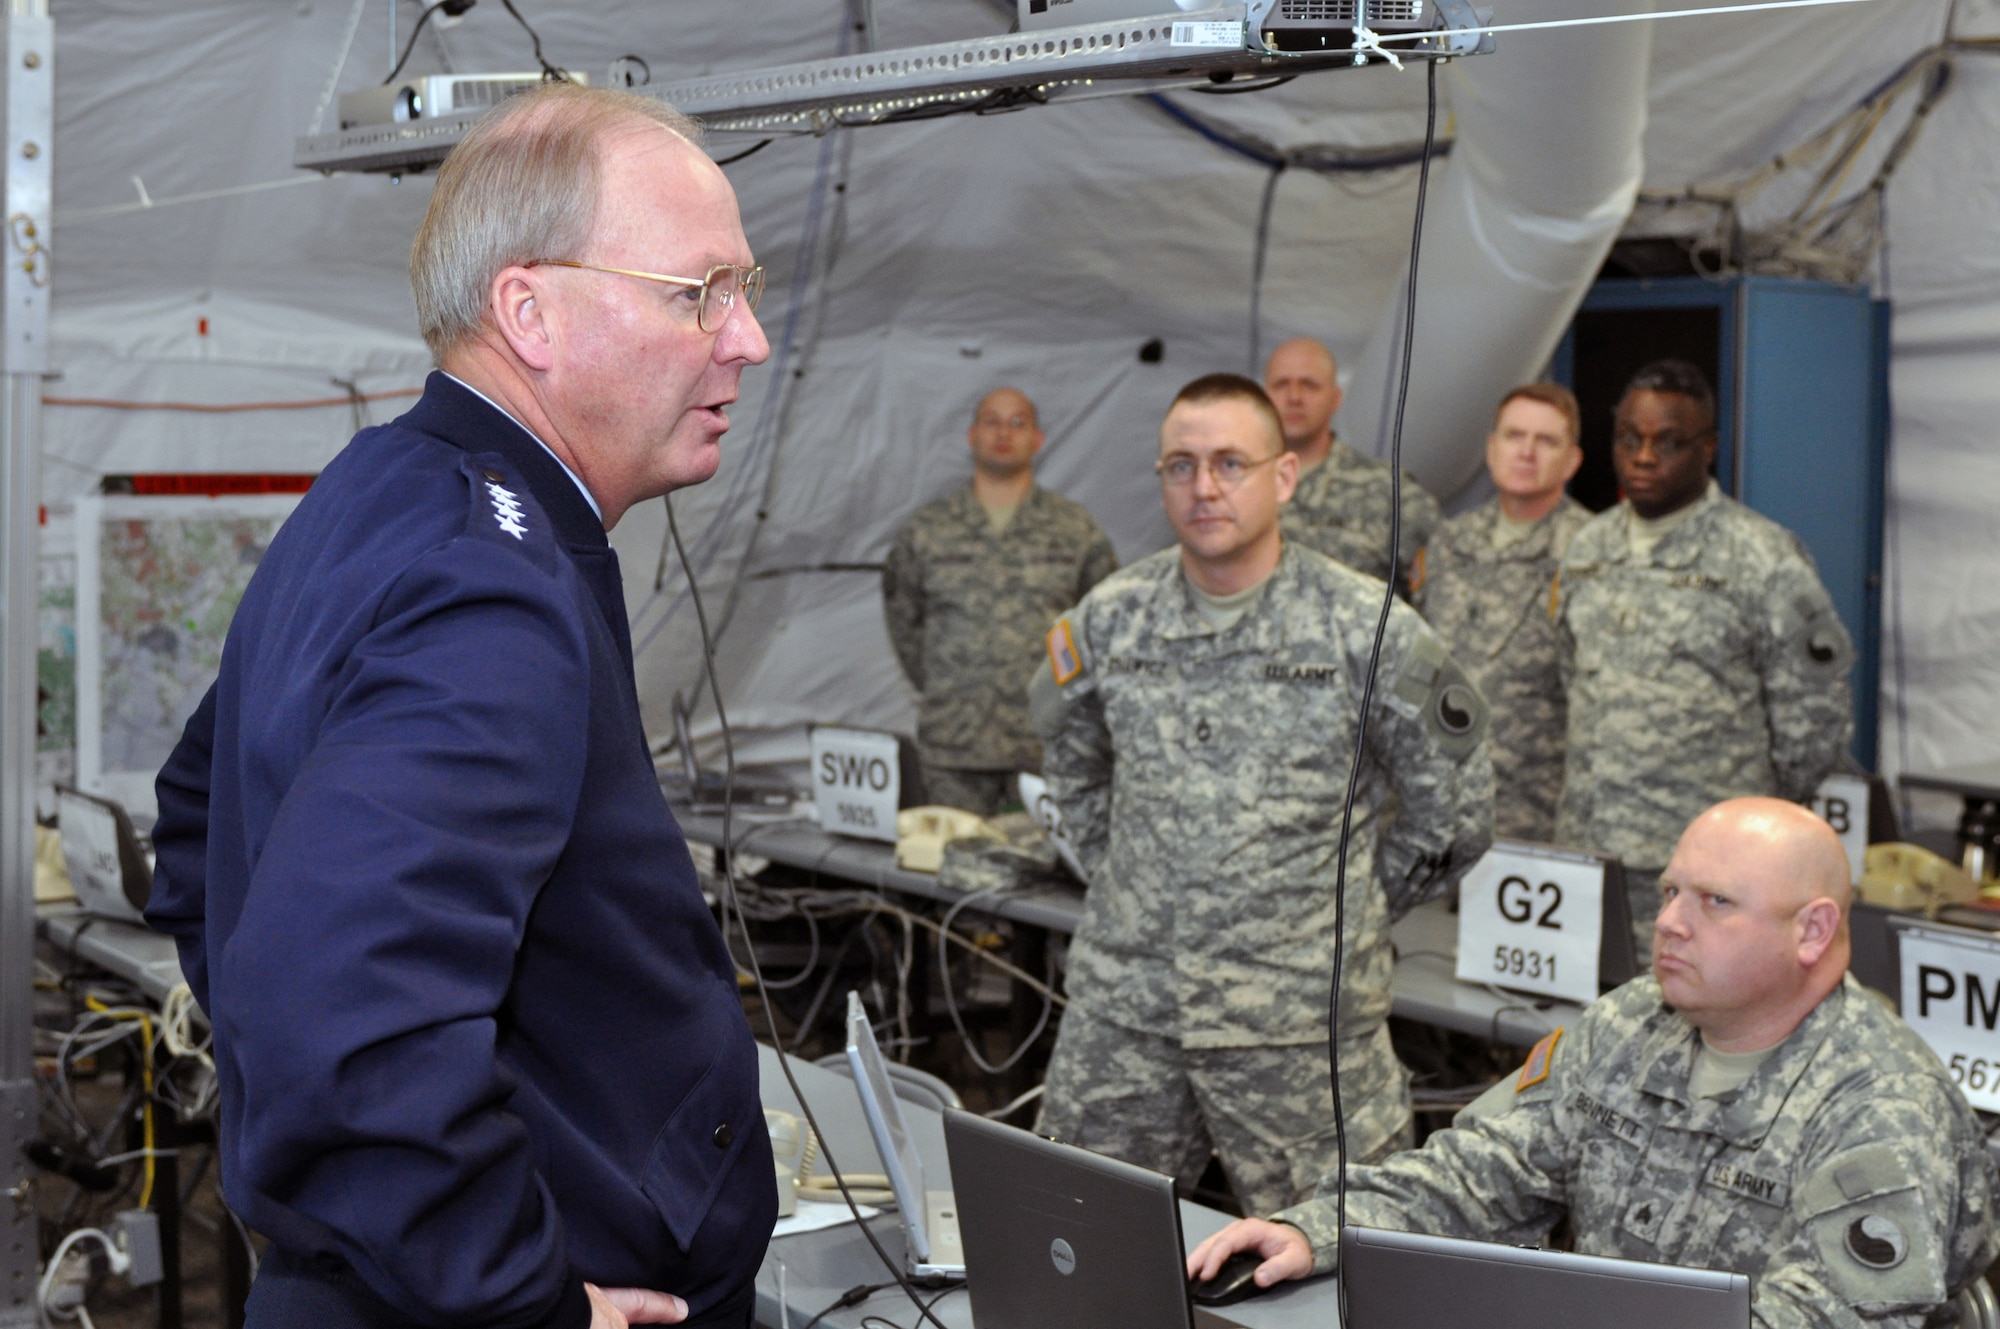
967, 610
1201, 776
1493, 609
1341, 508
1846, 1176
1714, 669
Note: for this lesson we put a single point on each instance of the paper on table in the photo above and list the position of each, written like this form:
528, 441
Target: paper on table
814, 1215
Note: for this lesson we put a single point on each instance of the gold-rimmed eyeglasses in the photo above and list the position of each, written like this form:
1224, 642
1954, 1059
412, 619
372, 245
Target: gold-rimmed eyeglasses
1230, 469
718, 291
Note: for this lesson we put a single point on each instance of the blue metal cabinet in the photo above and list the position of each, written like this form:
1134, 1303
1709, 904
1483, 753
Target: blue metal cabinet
1802, 410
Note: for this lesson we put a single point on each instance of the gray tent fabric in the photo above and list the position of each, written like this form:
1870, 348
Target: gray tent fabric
915, 266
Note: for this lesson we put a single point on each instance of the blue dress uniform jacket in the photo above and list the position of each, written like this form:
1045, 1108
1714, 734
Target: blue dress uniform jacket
478, 1036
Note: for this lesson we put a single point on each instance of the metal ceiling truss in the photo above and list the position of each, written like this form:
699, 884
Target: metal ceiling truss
980, 75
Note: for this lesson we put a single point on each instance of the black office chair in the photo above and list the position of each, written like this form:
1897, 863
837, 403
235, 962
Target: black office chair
1978, 1307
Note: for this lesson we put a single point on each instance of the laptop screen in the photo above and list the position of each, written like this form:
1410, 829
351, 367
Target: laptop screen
1395, 1279
885, 1122
1060, 1238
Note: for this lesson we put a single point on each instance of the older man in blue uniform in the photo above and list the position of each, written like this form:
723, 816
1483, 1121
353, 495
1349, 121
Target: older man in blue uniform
481, 1053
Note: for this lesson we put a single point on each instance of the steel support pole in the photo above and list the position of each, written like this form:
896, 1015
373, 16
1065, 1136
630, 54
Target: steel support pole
27, 81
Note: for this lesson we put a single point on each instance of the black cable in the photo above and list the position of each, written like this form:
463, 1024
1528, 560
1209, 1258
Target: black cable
747, 152
756, 969
1260, 251
550, 74
638, 60
854, 1296
1368, 682
452, 7
1238, 89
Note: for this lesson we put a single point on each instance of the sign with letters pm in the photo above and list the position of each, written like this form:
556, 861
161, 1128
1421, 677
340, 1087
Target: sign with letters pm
1951, 997
857, 782
1531, 917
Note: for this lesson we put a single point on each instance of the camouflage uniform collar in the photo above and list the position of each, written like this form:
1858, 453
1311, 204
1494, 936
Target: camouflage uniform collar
1531, 547
1682, 546
1745, 1115
1177, 619
1340, 457
966, 509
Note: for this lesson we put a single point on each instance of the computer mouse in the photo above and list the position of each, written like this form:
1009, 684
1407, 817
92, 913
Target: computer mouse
1232, 1283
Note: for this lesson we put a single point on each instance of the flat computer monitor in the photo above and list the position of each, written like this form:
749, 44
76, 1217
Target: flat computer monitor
107, 868
1057, 1237
929, 1218
1397, 1279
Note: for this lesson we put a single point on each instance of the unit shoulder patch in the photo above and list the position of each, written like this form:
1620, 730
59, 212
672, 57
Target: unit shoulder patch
1536, 1068
1064, 662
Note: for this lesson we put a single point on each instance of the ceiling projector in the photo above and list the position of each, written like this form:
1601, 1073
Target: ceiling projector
429, 96
1285, 25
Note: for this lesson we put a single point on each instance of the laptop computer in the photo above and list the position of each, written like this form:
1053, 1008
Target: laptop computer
1396, 1279
705, 791
1057, 1237
932, 1249
101, 852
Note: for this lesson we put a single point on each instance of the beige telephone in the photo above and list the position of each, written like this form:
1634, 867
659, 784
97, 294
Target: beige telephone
795, 1150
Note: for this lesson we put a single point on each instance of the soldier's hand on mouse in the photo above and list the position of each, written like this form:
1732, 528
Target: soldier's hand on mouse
618, 1307
1287, 1254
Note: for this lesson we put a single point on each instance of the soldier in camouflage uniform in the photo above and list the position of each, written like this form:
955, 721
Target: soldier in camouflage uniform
1342, 504
1749, 1107
1484, 583
968, 589
1198, 713
1701, 655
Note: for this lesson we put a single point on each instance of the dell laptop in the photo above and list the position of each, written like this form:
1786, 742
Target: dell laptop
1057, 1237
1397, 1279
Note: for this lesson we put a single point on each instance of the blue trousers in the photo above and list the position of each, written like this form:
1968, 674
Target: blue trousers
295, 1291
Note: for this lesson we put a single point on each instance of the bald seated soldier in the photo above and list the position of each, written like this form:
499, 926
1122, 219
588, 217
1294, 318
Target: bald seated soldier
1199, 711
1342, 503
1485, 582
970, 586
1748, 1107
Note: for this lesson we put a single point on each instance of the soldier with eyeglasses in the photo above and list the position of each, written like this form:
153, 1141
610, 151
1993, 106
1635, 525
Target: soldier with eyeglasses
1701, 654
1198, 714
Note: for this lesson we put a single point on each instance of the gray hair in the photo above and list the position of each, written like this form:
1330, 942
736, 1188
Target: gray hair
522, 185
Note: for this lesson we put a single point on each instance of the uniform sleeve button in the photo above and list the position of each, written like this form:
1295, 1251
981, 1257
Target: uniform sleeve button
725, 1135
494, 476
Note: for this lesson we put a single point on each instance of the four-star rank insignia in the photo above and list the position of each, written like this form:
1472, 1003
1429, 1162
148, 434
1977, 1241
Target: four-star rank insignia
507, 510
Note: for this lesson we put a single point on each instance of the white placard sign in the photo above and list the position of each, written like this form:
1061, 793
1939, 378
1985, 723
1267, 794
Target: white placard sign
857, 782
1951, 997
1532, 918
1042, 807
1842, 803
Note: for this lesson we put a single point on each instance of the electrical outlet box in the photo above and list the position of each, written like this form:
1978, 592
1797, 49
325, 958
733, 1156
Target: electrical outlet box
139, 1233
